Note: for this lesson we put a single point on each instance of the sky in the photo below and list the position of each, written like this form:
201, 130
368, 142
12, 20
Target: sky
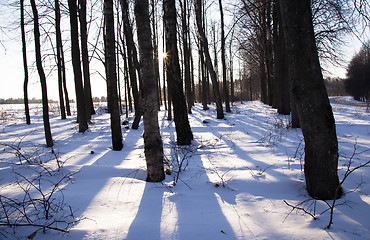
12, 75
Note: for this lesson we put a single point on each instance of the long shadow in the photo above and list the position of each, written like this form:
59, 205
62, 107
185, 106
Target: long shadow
189, 210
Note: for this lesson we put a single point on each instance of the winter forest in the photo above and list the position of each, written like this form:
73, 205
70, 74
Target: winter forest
218, 120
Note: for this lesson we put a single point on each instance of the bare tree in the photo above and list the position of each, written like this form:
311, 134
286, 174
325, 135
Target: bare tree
186, 53
311, 99
223, 60
183, 131
76, 63
40, 69
281, 85
110, 64
204, 43
85, 59
59, 58
152, 138
132, 61
25, 66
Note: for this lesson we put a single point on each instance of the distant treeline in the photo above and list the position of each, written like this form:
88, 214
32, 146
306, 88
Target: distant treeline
20, 101
335, 87
35, 100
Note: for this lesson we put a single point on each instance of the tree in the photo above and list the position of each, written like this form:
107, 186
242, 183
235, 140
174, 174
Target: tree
25, 66
204, 43
311, 99
155, 46
153, 145
183, 131
132, 61
110, 64
186, 53
85, 59
45, 106
76, 63
357, 82
223, 60
281, 84
59, 58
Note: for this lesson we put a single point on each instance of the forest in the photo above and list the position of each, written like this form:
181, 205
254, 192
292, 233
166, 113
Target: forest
217, 120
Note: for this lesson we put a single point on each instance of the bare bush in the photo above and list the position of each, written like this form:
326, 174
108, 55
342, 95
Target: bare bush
34, 196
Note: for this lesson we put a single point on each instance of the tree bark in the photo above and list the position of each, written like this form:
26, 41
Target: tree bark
186, 53
202, 79
85, 60
64, 81
223, 60
45, 107
25, 66
59, 63
183, 130
204, 42
76, 63
131, 59
155, 46
110, 64
281, 85
311, 99
153, 145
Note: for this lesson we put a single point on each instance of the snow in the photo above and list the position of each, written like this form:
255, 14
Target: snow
234, 179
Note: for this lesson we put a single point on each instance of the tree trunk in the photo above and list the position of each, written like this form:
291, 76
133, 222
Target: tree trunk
311, 100
76, 63
268, 52
131, 59
59, 63
223, 60
183, 131
202, 79
110, 64
45, 107
232, 88
64, 80
281, 85
186, 53
155, 47
153, 145
203, 40
85, 60
25, 66
164, 70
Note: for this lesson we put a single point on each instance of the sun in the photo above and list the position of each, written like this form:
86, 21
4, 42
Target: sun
163, 55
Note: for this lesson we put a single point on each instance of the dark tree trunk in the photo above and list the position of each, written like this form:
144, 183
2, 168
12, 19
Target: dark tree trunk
268, 53
186, 53
223, 60
64, 81
202, 79
152, 138
127, 84
183, 130
281, 85
155, 47
131, 59
110, 64
25, 66
311, 100
232, 90
85, 59
203, 40
59, 59
76, 63
45, 107
164, 70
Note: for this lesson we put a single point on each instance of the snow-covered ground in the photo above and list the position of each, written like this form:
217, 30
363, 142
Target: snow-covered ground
237, 177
